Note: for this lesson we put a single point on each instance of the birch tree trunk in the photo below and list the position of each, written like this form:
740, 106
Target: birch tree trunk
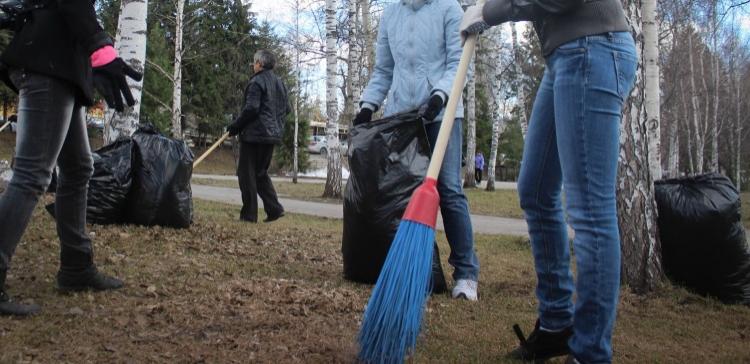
651, 85
492, 160
520, 88
131, 47
689, 135
715, 68
352, 67
333, 178
368, 52
496, 91
697, 136
471, 129
177, 78
298, 91
738, 133
636, 207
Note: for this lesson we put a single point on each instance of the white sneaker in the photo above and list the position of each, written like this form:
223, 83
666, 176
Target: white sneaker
466, 289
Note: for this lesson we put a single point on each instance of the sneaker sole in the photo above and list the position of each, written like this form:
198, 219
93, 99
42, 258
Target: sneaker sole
464, 296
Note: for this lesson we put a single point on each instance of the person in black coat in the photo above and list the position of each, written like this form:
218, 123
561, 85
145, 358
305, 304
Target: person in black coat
58, 56
260, 127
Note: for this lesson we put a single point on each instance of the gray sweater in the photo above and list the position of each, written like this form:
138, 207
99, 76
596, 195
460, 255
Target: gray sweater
559, 21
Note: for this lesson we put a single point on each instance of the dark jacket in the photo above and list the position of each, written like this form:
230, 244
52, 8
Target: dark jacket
266, 106
58, 41
560, 21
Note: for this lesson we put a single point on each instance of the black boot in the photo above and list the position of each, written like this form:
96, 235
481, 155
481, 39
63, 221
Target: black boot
10, 308
95, 281
541, 345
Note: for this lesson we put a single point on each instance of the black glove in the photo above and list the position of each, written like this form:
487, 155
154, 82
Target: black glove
109, 80
363, 116
233, 129
433, 107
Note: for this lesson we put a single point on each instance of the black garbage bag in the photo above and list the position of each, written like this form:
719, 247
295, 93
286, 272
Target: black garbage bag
703, 241
161, 193
109, 185
388, 159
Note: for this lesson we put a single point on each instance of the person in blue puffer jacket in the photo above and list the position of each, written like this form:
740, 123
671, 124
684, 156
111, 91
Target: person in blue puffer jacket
417, 54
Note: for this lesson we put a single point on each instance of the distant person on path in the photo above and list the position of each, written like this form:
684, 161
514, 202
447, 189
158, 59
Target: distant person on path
417, 54
260, 127
55, 60
478, 166
572, 144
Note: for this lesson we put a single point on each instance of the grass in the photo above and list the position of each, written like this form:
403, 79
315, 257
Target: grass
297, 191
220, 161
501, 203
225, 291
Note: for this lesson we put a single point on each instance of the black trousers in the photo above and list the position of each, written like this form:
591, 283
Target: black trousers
252, 173
478, 174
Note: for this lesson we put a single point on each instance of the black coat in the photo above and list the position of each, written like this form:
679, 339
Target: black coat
58, 41
266, 107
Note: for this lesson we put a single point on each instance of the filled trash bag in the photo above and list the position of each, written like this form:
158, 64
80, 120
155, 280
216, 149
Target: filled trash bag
388, 159
161, 193
703, 241
109, 185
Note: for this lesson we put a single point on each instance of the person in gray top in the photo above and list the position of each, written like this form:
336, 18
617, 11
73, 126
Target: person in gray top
572, 143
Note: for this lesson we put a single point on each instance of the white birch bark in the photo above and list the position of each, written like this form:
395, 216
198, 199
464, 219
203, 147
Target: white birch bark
698, 139
471, 128
520, 88
685, 119
368, 35
651, 85
738, 134
333, 178
353, 71
298, 90
496, 91
131, 47
715, 69
177, 78
636, 207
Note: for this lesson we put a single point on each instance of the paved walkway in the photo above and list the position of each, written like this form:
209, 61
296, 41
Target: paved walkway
481, 224
483, 184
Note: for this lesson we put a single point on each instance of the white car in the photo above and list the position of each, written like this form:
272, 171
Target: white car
317, 144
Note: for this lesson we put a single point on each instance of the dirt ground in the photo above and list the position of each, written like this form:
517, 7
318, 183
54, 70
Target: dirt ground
226, 291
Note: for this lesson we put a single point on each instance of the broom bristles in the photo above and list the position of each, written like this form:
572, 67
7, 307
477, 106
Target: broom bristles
393, 316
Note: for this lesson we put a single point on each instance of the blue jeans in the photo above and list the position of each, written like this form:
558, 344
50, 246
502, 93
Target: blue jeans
454, 207
573, 144
51, 131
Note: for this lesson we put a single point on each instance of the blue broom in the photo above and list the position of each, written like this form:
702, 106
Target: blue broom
393, 316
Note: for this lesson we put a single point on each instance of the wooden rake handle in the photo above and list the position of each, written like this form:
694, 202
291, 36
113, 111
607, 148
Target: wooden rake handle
213, 147
4, 126
450, 110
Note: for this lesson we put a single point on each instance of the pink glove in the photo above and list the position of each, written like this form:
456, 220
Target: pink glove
103, 55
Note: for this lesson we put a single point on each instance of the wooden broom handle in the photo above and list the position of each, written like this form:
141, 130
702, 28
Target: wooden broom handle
450, 110
216, 145
4, 126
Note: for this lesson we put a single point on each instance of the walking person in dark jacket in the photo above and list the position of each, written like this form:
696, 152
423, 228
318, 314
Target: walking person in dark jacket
572, 143
260, 127
55, 59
